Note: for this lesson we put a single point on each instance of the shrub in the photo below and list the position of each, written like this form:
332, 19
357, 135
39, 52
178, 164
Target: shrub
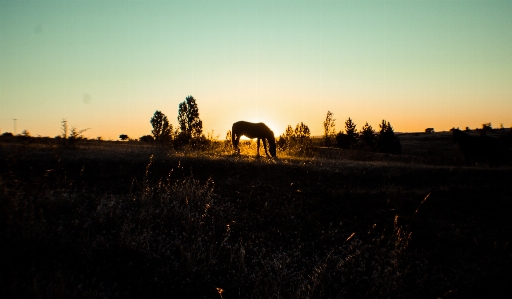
368, 135
387, 142
296, 142
69, 138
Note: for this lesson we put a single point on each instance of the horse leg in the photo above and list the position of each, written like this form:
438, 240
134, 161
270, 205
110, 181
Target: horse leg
236, 140
265, 147
258, 148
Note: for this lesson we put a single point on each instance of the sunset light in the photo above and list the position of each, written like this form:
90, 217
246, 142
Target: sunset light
109, 65
129, 165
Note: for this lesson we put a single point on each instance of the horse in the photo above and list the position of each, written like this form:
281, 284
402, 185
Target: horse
478, 148
254, 130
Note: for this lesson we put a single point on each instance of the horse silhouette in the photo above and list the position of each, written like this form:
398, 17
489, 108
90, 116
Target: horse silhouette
254, 130
478, 148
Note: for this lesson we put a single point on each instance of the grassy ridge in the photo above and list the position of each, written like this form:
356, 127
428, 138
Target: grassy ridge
134, 221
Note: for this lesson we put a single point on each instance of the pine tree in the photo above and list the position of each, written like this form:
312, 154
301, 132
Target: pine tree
387, 141
368, 135
350, 128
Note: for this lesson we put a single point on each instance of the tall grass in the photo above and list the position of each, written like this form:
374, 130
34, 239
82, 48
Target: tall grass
175, 236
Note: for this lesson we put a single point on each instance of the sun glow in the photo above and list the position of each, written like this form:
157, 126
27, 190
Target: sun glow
271, 123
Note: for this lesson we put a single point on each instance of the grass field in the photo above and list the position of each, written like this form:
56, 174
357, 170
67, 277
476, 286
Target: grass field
130, 220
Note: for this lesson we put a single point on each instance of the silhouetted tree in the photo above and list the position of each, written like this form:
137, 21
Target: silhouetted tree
7, 134
346, 140
287, 139
64, 128
368, 135
296, 142
302, 131
487, 127
329, 128
342, 140
387, 142
302, 140
281, 143
191, 127
289, 133
147, 138
25, 133
161, 128
70, 137
123, 137
350, 128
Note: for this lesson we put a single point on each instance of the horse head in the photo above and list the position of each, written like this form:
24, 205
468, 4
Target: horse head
272, 145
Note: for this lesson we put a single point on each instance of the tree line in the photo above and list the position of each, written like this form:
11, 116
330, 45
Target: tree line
384, 141
190, 130
296, 141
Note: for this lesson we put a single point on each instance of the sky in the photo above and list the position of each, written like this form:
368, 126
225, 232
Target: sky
109, 65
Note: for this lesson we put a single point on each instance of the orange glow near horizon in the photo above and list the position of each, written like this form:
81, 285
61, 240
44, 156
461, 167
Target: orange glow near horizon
416, 64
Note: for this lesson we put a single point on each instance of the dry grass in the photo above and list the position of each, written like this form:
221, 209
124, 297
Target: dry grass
113, 219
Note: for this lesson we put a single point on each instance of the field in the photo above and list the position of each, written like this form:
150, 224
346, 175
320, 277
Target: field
130, 220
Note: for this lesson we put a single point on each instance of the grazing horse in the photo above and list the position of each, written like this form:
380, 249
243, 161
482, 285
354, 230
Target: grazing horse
478, 148
254, 130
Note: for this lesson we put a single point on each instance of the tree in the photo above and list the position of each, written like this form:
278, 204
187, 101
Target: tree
368, 135
64, 124
161, 127
387, 142
25, 133
228, 137
350, 128
342, 140
296, 142
329, 128
301, 144
301, 131
289, 133
123, 137
287, 139
487, 127
345, 140
147, 138
191, 126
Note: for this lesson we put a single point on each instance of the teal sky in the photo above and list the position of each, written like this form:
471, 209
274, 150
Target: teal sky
108, 65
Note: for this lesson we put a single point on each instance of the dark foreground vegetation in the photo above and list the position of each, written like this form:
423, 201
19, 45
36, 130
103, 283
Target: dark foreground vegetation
128, 220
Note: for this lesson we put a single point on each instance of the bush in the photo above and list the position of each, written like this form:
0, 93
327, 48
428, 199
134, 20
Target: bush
296, 142
342, 140
368, 135
387, 142
69, 138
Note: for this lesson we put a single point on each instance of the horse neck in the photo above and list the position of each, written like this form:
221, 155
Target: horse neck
270, 137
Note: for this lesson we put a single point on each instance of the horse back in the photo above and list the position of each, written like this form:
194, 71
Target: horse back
251, 130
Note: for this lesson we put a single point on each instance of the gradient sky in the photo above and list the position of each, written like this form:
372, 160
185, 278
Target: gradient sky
108, 65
